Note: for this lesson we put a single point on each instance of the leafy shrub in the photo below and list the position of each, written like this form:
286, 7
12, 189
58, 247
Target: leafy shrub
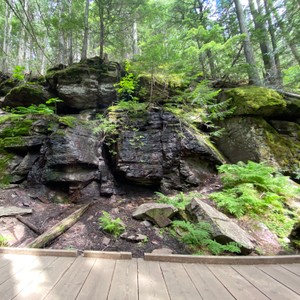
18, 73
199, 236
179, 201
33, 109
110, 225
256, 190
3, 241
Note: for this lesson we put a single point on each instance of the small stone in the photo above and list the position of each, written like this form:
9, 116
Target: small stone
26, 204
115, 211
134, 237
106, 241
162, 251
146, 223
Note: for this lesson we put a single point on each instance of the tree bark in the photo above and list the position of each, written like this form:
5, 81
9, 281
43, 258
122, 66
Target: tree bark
86, 31
135, 46
6, 38
102, 28
264, 43
48, 236
253, 73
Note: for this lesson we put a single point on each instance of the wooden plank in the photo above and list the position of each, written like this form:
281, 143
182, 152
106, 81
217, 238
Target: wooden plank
20, 280
16, 264
70, 284
206, 283
224, 260
238, 286
178, 282
14, 210
284, 276
124, 283
41, 286
294, 268
266, 284
97, 284
39, 252
151, 282
5, 259
107, 254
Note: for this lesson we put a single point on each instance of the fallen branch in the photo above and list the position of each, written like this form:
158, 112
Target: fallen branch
29, 225
297, 96
13, 211
58, 229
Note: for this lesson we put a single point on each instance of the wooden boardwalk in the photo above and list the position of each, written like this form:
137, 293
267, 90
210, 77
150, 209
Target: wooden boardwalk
33, 277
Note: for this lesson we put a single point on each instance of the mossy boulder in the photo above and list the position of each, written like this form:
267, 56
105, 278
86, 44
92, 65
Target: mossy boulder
253, 138
85, 85
256, 101
25, 95
7, 85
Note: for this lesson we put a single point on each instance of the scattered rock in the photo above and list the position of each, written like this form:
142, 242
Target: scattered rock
136, 237
224, 230
106, 241
159, 214
162, 251
147, 223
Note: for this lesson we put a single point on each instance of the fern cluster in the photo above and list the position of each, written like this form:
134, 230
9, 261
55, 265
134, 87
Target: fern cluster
3, 241
256, 190
179, 201
110, 225
198, 236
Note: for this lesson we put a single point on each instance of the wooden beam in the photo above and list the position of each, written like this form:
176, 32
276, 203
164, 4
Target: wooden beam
14, 210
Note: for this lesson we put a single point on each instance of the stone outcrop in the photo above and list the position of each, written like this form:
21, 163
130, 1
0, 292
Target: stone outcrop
224, 230
85, 85
264, 127
157, 149
159, 214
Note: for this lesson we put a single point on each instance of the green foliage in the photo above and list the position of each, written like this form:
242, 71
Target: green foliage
105, 126
198, 236
131, 106
291, 78
179, 201
18, 73
256, 190
69, 121
54, 101
3, 241
42, 109
110, 225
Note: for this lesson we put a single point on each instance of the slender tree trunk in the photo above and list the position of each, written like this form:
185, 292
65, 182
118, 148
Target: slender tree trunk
23, 35
102, 28
264, 43
211, 64
135, 46
86, 31
70, 36
6, 38
253, 73
274, 43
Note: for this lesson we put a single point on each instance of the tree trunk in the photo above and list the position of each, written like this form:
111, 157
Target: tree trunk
274, 43
6, 38
86, 31
211, 64
253, 73
135, 46
102, 28
70, 37
58, 229
264, 44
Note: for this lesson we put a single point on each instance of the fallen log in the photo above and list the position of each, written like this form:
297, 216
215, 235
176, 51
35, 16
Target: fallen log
29, 225
13, 211
293, 95
48, 236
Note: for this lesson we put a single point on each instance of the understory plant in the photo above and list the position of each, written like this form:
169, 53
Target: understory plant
3, 241
179, 201
111, 225
258, 191
198, 237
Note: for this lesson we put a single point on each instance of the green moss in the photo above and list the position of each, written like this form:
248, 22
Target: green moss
30, 89
5, 176
15, 126
253, 100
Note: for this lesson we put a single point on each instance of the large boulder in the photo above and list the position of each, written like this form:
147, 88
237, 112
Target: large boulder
25, 95
85, 85
224, 230
253, 138
155, 148
159, 214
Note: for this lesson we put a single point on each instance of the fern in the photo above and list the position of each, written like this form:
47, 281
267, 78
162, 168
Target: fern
110, 225
199, 236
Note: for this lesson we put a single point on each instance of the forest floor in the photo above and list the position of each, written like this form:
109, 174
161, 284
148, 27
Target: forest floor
86, 234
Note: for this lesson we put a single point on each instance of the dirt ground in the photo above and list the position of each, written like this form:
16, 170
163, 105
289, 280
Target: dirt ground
86, 234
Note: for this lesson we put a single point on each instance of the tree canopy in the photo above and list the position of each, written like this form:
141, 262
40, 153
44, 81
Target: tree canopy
249, 40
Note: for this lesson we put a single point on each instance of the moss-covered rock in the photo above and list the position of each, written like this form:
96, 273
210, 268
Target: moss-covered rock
25, 95
254, 100
7, 85
253, 138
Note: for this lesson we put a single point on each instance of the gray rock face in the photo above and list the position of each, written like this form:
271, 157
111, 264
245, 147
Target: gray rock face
159, 214
158, 150
224, 230
85, 85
